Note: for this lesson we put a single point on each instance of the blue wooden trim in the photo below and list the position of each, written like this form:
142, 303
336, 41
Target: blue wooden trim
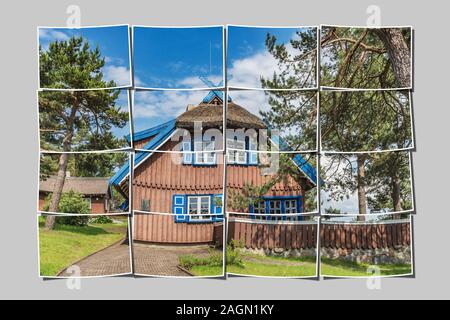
141, 156
148, 133
179, 207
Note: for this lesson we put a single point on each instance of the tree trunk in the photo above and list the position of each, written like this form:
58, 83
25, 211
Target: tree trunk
396, 194
361, 180
62, 170
399, 54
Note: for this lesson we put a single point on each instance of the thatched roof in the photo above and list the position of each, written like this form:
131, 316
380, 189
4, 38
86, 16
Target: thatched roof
84, 185
211, 116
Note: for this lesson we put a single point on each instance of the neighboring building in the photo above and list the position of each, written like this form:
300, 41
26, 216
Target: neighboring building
193, 189
95, 190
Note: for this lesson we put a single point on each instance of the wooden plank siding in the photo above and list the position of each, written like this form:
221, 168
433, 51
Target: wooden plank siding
163, 175
162, 229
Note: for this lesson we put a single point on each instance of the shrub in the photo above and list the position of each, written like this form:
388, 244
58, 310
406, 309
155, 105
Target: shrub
71, 202
101, 220
234, 256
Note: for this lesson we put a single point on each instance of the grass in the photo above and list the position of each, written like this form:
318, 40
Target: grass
61, 247
211, 265
256, 265
270, 266
342, 268
249, 264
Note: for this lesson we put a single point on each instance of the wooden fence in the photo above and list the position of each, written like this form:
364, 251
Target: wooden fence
271, 236
304, 236
365, 236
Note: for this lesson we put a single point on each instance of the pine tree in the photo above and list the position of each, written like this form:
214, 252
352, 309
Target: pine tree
79, 119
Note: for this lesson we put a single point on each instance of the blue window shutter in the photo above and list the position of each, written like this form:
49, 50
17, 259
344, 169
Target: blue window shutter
187, 156
179, 208
283, 210
217, 209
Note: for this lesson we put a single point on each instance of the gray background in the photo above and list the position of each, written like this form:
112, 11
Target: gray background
19, 159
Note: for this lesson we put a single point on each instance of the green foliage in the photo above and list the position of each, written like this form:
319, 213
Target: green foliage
365, 121
234, 255
287, 171
356, 58
381, 169
77, 120
101, 220
293, 113
72, 64
71, 202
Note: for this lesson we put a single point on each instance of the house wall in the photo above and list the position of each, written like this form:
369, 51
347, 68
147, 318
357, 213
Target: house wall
98, 205
160, 177
163, 229
42, 198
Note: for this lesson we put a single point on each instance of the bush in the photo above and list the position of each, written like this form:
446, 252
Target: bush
101, 220
71, 202
215, 259
234, 256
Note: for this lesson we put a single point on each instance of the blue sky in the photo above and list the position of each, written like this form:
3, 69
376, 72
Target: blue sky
176, 57
113, 44
247, 55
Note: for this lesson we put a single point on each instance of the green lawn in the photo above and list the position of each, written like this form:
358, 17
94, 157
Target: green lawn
275, 266
262, 266
61, 247
296, 267
342, 268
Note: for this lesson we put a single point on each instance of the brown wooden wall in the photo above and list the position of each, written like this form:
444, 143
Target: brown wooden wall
369, 236
159, 178
163, 229
271, 236
98, 205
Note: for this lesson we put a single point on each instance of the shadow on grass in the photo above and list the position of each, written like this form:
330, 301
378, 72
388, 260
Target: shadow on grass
86, 230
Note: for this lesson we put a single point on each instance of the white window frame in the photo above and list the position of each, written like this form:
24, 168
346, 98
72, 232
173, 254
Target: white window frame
201, 157
260, 209
235, 156
187, 154
275, 214
288, 208
198, 216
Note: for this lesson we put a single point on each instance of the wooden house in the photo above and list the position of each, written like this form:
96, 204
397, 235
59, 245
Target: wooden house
190, 191
95, 190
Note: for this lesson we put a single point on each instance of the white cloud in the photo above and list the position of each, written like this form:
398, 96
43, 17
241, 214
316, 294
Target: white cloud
120, 75
247, 72
252, 101
51, 35
164, 104
196, 82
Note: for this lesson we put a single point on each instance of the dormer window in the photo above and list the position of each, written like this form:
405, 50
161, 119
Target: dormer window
244, 157
202, 157
199, 155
